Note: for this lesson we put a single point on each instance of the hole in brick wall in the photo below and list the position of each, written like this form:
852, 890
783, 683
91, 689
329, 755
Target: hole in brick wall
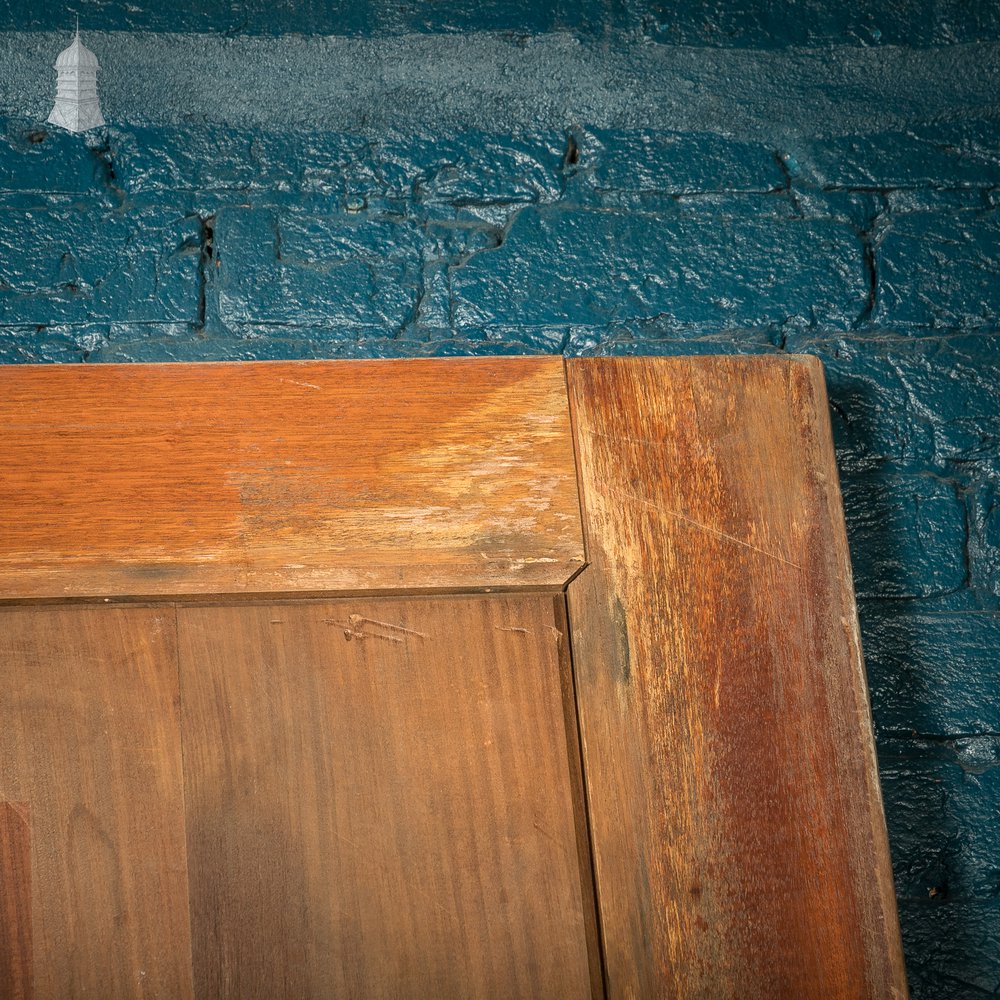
105, 163
571, 157
207, 223
208, 235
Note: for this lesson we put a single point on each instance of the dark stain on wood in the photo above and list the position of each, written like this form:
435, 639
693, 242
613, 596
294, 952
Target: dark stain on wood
16, 960
623, 661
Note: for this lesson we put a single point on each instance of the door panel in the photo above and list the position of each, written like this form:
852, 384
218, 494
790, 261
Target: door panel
90, 784
380, 800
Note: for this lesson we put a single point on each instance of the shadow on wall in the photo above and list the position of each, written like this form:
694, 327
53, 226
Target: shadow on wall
935, 707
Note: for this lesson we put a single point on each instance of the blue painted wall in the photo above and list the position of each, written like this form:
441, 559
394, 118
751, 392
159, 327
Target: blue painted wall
333, 179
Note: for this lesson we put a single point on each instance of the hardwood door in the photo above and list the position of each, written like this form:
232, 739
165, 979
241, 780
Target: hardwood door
466, 678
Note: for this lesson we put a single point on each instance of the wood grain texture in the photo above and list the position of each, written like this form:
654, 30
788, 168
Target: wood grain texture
739, 842
301, 476
16, 959
380, 801
89, 739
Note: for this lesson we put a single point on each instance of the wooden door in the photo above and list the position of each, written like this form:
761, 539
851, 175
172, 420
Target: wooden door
466, 678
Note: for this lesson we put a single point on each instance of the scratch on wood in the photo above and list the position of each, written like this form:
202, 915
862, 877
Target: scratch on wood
627, 437
545, 833
374, 621
305, 385
356, 632
21, 809
704, 527
510, 628
548, 836
347, 840
354, 629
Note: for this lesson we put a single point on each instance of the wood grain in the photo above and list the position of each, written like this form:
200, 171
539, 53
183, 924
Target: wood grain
16, 960
340, 476
89, 741
739, 842
380, 801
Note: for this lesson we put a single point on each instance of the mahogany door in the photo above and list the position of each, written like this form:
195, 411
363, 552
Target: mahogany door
466, 678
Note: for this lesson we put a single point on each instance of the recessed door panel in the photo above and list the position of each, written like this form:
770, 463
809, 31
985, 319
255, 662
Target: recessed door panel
381, 800
92, 805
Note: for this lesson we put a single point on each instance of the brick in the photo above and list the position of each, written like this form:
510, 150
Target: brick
939, 270
624, 163
708, 270
76, 261
39, 158
198, 159
420, 174
907, 535
302, 269
815, 23
529, 339
477, 168
921, 403
275, 167
62, 344
941, 803
925, 669
946, 155
984, 541
945, 842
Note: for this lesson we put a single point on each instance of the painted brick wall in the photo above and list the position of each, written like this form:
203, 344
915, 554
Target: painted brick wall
321, 179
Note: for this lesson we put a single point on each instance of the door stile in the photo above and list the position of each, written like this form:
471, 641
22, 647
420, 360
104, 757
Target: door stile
739, 844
